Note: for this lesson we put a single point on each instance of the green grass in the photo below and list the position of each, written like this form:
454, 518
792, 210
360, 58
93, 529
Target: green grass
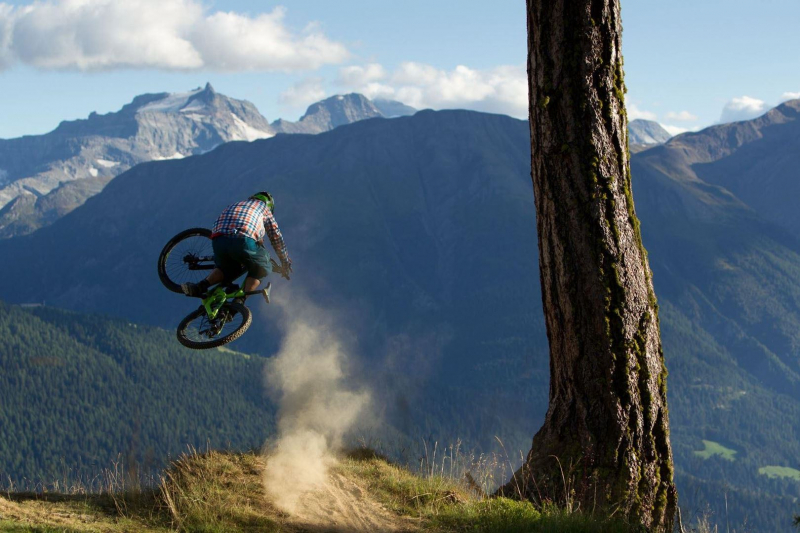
714, 448
445, 505
780, 471
501, 515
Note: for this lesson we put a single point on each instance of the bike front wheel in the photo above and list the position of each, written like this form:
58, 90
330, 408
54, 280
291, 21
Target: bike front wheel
200, 332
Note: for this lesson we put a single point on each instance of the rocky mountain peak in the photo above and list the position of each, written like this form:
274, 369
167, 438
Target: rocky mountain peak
66, 166
343, 109
339, 110
647, 132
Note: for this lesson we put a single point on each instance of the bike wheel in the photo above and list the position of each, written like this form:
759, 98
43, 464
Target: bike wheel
199, 332
187, 257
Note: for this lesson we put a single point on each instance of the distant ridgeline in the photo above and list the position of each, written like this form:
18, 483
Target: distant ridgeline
418, 233
80, 392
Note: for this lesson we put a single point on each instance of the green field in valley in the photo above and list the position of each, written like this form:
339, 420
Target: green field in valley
714, 448
780, 471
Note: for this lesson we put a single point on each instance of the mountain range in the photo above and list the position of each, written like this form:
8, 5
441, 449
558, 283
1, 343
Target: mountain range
418, 234
44, 177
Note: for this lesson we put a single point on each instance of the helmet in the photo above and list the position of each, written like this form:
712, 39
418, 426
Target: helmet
266, 198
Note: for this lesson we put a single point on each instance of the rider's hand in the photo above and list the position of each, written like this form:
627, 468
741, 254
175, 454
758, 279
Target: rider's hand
286, 267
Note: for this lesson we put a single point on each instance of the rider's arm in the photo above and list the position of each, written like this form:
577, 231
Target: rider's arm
275, 237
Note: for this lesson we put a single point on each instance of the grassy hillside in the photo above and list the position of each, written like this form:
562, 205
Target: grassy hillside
81, 392
223, 492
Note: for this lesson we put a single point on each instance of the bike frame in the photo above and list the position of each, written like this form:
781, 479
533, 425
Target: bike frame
216, 298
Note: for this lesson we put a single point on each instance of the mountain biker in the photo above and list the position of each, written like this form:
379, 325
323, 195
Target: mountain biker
238, 241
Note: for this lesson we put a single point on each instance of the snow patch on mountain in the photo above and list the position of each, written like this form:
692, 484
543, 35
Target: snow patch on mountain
647, 132
3, 177
93, 171
194, 106
176, 155
248, 132
172, 103
105, 163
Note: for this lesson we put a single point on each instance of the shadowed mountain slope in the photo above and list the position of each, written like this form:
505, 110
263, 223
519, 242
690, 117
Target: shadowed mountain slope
758, 161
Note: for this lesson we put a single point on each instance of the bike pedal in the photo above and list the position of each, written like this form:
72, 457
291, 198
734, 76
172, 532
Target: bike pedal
266, 291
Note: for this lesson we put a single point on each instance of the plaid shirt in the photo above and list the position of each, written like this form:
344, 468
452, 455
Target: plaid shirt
251, 218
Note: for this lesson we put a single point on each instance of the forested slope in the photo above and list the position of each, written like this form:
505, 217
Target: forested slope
80, 392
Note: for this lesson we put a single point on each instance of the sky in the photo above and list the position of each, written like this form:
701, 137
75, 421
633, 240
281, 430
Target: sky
688, 64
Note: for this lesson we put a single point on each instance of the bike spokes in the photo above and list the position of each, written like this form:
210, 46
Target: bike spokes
198, 330
189, 257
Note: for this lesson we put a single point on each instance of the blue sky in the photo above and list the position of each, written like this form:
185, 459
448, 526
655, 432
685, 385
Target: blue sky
688, 64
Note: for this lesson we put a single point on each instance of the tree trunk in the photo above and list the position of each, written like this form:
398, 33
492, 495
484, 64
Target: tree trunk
605, 441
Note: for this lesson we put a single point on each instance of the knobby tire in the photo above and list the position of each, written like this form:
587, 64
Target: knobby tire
200, 313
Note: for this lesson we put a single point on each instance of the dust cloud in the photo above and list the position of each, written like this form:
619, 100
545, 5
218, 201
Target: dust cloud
317, 407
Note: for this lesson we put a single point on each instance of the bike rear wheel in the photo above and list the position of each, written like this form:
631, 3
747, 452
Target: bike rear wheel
199, 332
187, 258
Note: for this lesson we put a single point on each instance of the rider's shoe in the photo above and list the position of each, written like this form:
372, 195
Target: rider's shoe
194, 289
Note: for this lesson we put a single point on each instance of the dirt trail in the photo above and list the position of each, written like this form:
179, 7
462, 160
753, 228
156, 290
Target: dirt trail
341, 506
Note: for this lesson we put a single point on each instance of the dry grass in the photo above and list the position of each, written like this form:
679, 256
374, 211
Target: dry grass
223, 492
213, 491
218, 491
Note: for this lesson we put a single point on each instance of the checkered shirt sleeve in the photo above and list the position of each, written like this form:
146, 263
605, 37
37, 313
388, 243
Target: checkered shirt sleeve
275, 236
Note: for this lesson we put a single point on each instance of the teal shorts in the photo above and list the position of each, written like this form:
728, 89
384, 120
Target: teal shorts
235, 255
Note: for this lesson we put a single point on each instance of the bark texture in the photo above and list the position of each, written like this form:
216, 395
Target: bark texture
607, 423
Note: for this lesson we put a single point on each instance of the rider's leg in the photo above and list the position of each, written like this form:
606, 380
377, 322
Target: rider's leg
257, 263
256, 259
251, 284
198, 289
215, 277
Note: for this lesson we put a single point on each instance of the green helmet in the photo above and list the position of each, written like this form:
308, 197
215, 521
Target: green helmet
266, 198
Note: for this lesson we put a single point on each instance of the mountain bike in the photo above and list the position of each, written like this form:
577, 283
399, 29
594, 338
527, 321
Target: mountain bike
189, 257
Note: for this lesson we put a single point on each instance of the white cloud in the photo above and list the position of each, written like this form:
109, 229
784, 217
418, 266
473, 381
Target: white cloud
635, 113
501, 89
6, 29
355, 75
683, 116
743, 108
674, 130
377, 90
785, 97
163, 34
303, 93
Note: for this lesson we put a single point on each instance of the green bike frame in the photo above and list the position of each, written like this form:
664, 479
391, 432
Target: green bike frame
213, 302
